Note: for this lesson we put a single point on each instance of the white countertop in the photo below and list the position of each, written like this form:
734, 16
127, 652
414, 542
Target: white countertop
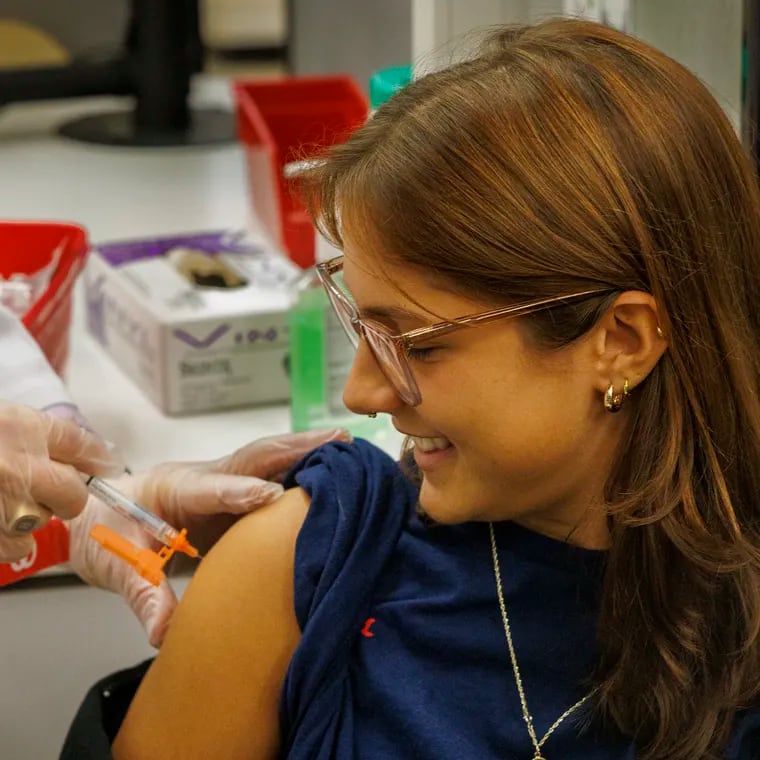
122, 193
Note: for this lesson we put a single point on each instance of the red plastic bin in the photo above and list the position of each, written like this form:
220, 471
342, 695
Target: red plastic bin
26, 247
284, 120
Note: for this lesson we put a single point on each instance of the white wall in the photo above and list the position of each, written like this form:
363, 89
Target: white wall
704, 35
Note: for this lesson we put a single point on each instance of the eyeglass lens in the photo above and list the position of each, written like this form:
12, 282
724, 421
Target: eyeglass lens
382, 346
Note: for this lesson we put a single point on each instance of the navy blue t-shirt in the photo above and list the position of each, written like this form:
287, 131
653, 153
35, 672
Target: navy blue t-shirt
403, 651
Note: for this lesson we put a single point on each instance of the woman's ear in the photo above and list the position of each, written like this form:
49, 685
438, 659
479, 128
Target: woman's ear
628, 341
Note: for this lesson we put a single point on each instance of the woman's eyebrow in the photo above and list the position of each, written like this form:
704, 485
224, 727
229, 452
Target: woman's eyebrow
395, 313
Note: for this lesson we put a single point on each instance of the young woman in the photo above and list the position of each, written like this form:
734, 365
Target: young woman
551, 260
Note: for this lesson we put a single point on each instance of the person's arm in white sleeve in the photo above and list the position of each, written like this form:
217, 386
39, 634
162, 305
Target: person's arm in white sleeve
39, 454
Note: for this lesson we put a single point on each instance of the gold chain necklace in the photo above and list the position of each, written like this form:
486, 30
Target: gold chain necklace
527, 717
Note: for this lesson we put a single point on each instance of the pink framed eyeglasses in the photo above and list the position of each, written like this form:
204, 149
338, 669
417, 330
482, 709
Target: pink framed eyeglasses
391, 351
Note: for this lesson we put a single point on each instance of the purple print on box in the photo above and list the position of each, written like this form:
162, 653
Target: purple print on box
211, 338
252, 336
106, 315
209, 242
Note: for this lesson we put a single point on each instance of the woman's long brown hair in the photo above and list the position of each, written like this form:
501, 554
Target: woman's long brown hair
568, 155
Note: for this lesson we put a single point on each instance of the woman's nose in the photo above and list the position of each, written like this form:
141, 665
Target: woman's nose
367, 389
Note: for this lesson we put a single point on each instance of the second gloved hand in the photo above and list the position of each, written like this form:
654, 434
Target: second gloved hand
204, 497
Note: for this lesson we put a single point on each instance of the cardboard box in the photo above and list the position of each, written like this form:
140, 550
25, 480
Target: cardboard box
199, 322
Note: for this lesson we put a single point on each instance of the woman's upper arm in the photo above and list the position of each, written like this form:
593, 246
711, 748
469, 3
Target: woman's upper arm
213, 689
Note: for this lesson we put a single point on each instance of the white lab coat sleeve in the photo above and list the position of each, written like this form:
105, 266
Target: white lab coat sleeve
25, 375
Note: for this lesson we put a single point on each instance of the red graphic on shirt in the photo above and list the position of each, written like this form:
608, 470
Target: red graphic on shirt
368, 623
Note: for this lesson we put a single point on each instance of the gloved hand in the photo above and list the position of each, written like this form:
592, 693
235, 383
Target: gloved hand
204, 497
39, 458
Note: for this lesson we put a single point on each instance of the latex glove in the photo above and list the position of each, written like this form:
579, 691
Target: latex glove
39, 458
204, 497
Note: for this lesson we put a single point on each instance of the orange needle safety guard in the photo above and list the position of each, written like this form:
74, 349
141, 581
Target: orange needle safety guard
146, 562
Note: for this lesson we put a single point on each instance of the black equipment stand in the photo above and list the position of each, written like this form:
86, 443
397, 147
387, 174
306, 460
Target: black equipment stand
162, 52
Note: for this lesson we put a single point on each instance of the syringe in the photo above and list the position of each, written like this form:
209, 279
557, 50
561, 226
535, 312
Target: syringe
149, 522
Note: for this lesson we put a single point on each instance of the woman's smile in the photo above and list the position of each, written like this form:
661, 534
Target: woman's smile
431, 452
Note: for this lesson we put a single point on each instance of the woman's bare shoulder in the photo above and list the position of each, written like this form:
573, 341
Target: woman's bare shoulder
213, 690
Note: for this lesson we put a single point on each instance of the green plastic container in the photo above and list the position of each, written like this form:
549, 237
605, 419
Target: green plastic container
320, 358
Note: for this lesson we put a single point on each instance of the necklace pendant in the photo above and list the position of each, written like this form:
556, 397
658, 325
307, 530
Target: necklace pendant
538, 756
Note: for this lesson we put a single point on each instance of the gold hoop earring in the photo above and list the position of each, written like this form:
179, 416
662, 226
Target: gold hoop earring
613, 402
372, 415
660, 333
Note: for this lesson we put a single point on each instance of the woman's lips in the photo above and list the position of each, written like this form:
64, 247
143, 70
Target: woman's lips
431, 452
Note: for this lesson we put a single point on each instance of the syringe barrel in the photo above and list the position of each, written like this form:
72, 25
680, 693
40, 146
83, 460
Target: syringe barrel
152, 524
